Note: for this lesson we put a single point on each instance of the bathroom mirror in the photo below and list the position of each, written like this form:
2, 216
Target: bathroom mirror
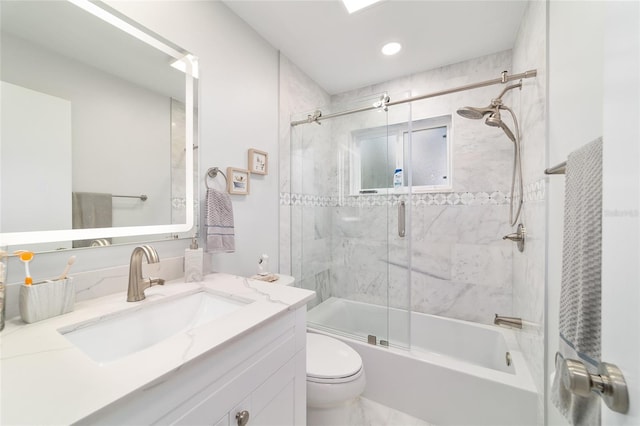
97, 128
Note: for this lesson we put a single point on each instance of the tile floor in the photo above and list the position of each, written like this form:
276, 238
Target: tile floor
369, 413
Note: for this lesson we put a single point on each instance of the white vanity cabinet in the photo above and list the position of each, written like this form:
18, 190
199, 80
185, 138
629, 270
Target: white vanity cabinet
262, 372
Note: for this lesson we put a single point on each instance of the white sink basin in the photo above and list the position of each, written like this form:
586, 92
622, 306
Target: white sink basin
112, 337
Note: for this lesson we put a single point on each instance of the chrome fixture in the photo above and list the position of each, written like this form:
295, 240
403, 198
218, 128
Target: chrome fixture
142, 197
382, 102
608, 383
401, 219
517, 237
212, 172
512, 322
138, 284
558, 169
494, 119
242, 418
507, 359
315, 118
504, 78
373, 340
100, 242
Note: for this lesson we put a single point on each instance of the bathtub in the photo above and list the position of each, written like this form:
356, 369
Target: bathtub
453, 373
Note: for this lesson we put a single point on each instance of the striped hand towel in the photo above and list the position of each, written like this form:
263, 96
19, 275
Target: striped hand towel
219, 223
581, 276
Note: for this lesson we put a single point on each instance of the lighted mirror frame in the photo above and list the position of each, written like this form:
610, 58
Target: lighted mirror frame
190, 66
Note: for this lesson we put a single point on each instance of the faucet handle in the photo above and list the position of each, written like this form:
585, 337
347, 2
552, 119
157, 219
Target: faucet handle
156, 281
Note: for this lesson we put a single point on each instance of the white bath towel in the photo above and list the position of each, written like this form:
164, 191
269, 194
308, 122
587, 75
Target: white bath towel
580, 293
219, 223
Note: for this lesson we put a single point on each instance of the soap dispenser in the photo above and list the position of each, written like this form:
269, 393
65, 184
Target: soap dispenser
193, 260
263, 265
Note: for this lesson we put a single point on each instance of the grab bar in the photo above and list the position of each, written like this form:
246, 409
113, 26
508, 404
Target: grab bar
401, 219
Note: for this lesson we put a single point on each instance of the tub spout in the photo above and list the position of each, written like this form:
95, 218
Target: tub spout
512, 322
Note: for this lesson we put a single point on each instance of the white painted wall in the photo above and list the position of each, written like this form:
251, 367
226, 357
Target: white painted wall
621, 203
238, 111
575, 49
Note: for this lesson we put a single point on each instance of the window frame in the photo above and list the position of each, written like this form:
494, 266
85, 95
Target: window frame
397, 131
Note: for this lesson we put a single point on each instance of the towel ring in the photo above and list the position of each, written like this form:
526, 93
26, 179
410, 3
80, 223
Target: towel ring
213, 173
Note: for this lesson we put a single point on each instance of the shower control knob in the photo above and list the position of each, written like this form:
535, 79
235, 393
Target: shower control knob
608, 383
517, 237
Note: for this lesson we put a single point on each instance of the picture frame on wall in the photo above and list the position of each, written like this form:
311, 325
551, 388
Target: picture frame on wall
237, 181
258, 162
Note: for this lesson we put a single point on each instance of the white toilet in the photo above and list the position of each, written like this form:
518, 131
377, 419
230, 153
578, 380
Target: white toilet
335, 376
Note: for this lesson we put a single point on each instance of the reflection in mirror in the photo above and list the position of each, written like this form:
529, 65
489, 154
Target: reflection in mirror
421, 148
97, 128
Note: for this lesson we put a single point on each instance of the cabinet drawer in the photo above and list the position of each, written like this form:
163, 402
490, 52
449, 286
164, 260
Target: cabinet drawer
268, 403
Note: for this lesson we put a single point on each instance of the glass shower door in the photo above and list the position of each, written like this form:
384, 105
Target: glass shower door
345, 241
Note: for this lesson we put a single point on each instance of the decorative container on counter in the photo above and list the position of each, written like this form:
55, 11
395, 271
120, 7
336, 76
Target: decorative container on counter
46, 299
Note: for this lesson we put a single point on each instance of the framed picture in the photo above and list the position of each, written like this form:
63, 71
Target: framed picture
237, 181
258, 162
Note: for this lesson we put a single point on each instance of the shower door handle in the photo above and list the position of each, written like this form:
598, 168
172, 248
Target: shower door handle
401, 219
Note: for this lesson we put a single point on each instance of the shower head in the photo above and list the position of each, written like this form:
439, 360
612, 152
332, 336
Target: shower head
494, 120
474, 113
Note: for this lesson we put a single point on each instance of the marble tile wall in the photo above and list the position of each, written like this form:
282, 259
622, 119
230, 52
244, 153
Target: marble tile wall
307, 177
461, 267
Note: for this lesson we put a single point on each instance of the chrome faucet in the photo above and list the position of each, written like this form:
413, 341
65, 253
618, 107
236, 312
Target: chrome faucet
512, 322
138, 284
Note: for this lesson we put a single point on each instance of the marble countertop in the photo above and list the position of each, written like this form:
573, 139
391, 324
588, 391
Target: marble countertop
48, 380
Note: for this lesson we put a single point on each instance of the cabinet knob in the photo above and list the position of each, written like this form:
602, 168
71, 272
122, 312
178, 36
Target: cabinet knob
242, 417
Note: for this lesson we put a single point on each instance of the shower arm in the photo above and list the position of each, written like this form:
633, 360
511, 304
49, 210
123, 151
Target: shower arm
498, 101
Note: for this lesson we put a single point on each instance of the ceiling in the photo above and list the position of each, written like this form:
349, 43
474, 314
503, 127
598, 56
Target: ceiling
341, 52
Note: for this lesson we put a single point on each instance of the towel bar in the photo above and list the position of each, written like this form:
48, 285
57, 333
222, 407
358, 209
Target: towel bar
213, 173
142, 197
558, 169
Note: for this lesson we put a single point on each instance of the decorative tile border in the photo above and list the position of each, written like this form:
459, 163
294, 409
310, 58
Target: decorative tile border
430, 199
178, 202
533, 192
287, 199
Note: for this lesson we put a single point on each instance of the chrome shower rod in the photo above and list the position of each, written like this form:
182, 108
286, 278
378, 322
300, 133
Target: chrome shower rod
504, 78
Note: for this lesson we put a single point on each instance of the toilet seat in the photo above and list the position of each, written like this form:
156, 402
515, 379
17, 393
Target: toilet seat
331, 361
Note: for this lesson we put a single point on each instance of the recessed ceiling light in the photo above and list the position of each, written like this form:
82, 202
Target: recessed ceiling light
356, 5
391, 48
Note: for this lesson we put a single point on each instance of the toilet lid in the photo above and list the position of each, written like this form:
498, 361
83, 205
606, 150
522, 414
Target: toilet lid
329, 358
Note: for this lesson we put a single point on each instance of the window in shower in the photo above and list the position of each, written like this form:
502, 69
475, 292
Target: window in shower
421, 149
